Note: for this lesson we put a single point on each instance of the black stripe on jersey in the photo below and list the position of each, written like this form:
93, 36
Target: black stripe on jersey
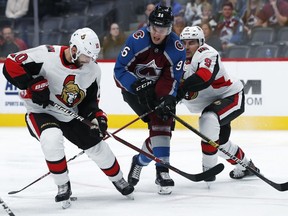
195, 83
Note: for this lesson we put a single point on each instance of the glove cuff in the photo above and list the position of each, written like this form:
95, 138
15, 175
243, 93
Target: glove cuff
38, 84
102, 114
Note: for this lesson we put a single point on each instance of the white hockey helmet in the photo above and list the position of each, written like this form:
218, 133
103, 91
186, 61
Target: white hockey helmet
193, 32
86, 41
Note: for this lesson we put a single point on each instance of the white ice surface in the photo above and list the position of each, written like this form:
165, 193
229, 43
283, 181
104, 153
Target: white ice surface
22, 162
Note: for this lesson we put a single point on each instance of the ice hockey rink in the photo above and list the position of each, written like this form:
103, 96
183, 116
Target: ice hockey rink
22, 162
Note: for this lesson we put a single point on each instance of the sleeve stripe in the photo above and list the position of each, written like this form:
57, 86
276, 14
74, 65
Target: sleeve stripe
14, 69
204, 73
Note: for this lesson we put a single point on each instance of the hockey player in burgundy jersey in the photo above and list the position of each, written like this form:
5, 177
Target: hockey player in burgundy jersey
148, 71
69, 76
208, 89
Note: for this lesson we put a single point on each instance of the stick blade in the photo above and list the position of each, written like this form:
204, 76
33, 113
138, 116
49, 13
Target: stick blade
206, 174
13, 192
281, 187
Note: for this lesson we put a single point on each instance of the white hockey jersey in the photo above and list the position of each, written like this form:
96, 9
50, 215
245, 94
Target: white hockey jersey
67, 84
222, 86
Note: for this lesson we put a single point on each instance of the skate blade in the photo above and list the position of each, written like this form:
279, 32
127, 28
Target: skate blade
66, 204
164, 190
130, 196
209, 185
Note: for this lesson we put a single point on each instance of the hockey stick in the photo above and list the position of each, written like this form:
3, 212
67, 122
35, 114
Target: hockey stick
82, 152
277, 186
193, 177
6, 208
43, 176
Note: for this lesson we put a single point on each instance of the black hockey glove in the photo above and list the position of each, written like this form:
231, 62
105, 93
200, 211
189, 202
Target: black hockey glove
40, 91
144, 90
180, 94
167, 104
100, 120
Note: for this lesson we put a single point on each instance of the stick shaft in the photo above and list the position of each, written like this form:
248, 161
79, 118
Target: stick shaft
82, 152
279, 187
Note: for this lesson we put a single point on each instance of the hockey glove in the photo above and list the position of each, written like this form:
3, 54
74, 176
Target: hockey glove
180, 94
167, 104
144, 90
181, 91
40, 91
99, 118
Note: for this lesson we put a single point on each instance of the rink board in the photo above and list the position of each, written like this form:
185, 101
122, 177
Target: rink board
265, 88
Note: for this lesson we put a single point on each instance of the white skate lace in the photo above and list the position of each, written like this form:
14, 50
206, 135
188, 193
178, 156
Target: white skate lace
136, 171
238, 173
121, 183
165, 175
62, 189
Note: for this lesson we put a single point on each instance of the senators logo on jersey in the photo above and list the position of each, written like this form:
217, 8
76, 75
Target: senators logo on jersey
191, 95
71, 94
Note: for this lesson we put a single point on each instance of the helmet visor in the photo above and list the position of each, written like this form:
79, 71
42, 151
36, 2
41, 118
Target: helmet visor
153, 29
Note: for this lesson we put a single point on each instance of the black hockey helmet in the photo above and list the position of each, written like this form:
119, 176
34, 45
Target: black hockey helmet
161, 16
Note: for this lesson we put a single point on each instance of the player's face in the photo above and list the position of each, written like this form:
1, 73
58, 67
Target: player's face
82, 59
191, 47
158, 34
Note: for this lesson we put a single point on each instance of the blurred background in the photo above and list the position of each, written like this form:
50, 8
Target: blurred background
236, 28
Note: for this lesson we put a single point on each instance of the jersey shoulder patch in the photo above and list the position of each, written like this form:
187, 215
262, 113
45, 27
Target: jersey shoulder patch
202, 49
179, 46
138, 34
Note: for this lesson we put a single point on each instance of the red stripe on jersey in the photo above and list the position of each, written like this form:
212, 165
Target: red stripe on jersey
62, 56
204, 73
221, 83
208, 149
239, 154
34, 124
230, 106
57, 167
112, 171
13, 68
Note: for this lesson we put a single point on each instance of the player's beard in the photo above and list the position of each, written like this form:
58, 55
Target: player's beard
77, 63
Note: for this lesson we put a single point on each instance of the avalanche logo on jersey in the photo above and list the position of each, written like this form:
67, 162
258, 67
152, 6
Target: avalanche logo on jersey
148, 70
71, 94
179, 46
138, 34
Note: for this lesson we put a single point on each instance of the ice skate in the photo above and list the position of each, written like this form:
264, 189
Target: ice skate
134, 173
124, 188
239, 173
63, 195
208, 180
163, 181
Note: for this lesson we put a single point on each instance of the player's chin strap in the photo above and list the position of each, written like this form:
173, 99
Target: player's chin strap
193, 177
279, 187
82, 152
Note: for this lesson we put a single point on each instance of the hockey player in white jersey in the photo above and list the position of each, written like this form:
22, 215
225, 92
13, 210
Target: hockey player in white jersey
208, 89
69, 76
